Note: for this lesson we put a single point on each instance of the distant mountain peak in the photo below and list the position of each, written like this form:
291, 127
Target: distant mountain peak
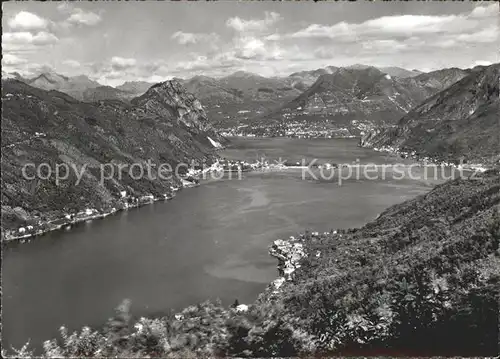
51, 77
12, 75
358, 67
201, 78
242, 73
81, 77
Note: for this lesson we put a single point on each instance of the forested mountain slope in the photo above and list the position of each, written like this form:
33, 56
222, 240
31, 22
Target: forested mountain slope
165, 125
462, 120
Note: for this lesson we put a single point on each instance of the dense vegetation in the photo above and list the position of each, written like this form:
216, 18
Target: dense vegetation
422, 279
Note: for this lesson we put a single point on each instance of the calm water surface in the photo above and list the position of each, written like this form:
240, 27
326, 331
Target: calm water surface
209, 242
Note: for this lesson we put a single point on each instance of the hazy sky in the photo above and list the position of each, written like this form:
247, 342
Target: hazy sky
117, 41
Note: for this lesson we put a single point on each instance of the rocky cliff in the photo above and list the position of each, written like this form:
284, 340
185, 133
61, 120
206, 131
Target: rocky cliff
460, 121
101, 152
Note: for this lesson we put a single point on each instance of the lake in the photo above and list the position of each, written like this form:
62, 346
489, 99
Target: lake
208, 242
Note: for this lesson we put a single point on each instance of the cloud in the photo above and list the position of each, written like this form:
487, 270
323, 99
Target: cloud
241, 25
27, 21
81, 17
186, 38
119, 70
482, 63
121, 63
257, 45
12, 60
485, 11
64, 7
486, 35
321, 31
72, 63
408, 25
273, 37
397, 40
384, 45
201, 62
253, 48
400, 26
26, 69
28, 33
27, 38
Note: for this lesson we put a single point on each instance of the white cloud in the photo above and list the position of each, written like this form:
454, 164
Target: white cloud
400, 40
384, 45
72, 63
27, 38
186, 38
401, 26
322, 31
121, 63
408, 24
81, 17
486, 35
242, 25
252, 48
119, 70
256, 45
27, 21
12, 60
64, 7
26, 69
273, 37
482, 63
485, 11
218, 64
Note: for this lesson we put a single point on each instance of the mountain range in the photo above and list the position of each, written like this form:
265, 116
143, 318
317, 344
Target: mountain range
361, 97
242, 94
463, 120
81, 87
309, 77
73, 86
356, 98
238, 96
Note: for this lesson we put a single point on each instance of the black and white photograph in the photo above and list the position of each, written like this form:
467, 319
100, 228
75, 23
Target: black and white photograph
250, 179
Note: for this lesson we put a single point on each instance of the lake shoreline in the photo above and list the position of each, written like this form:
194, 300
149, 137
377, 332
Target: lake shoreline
87, 215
